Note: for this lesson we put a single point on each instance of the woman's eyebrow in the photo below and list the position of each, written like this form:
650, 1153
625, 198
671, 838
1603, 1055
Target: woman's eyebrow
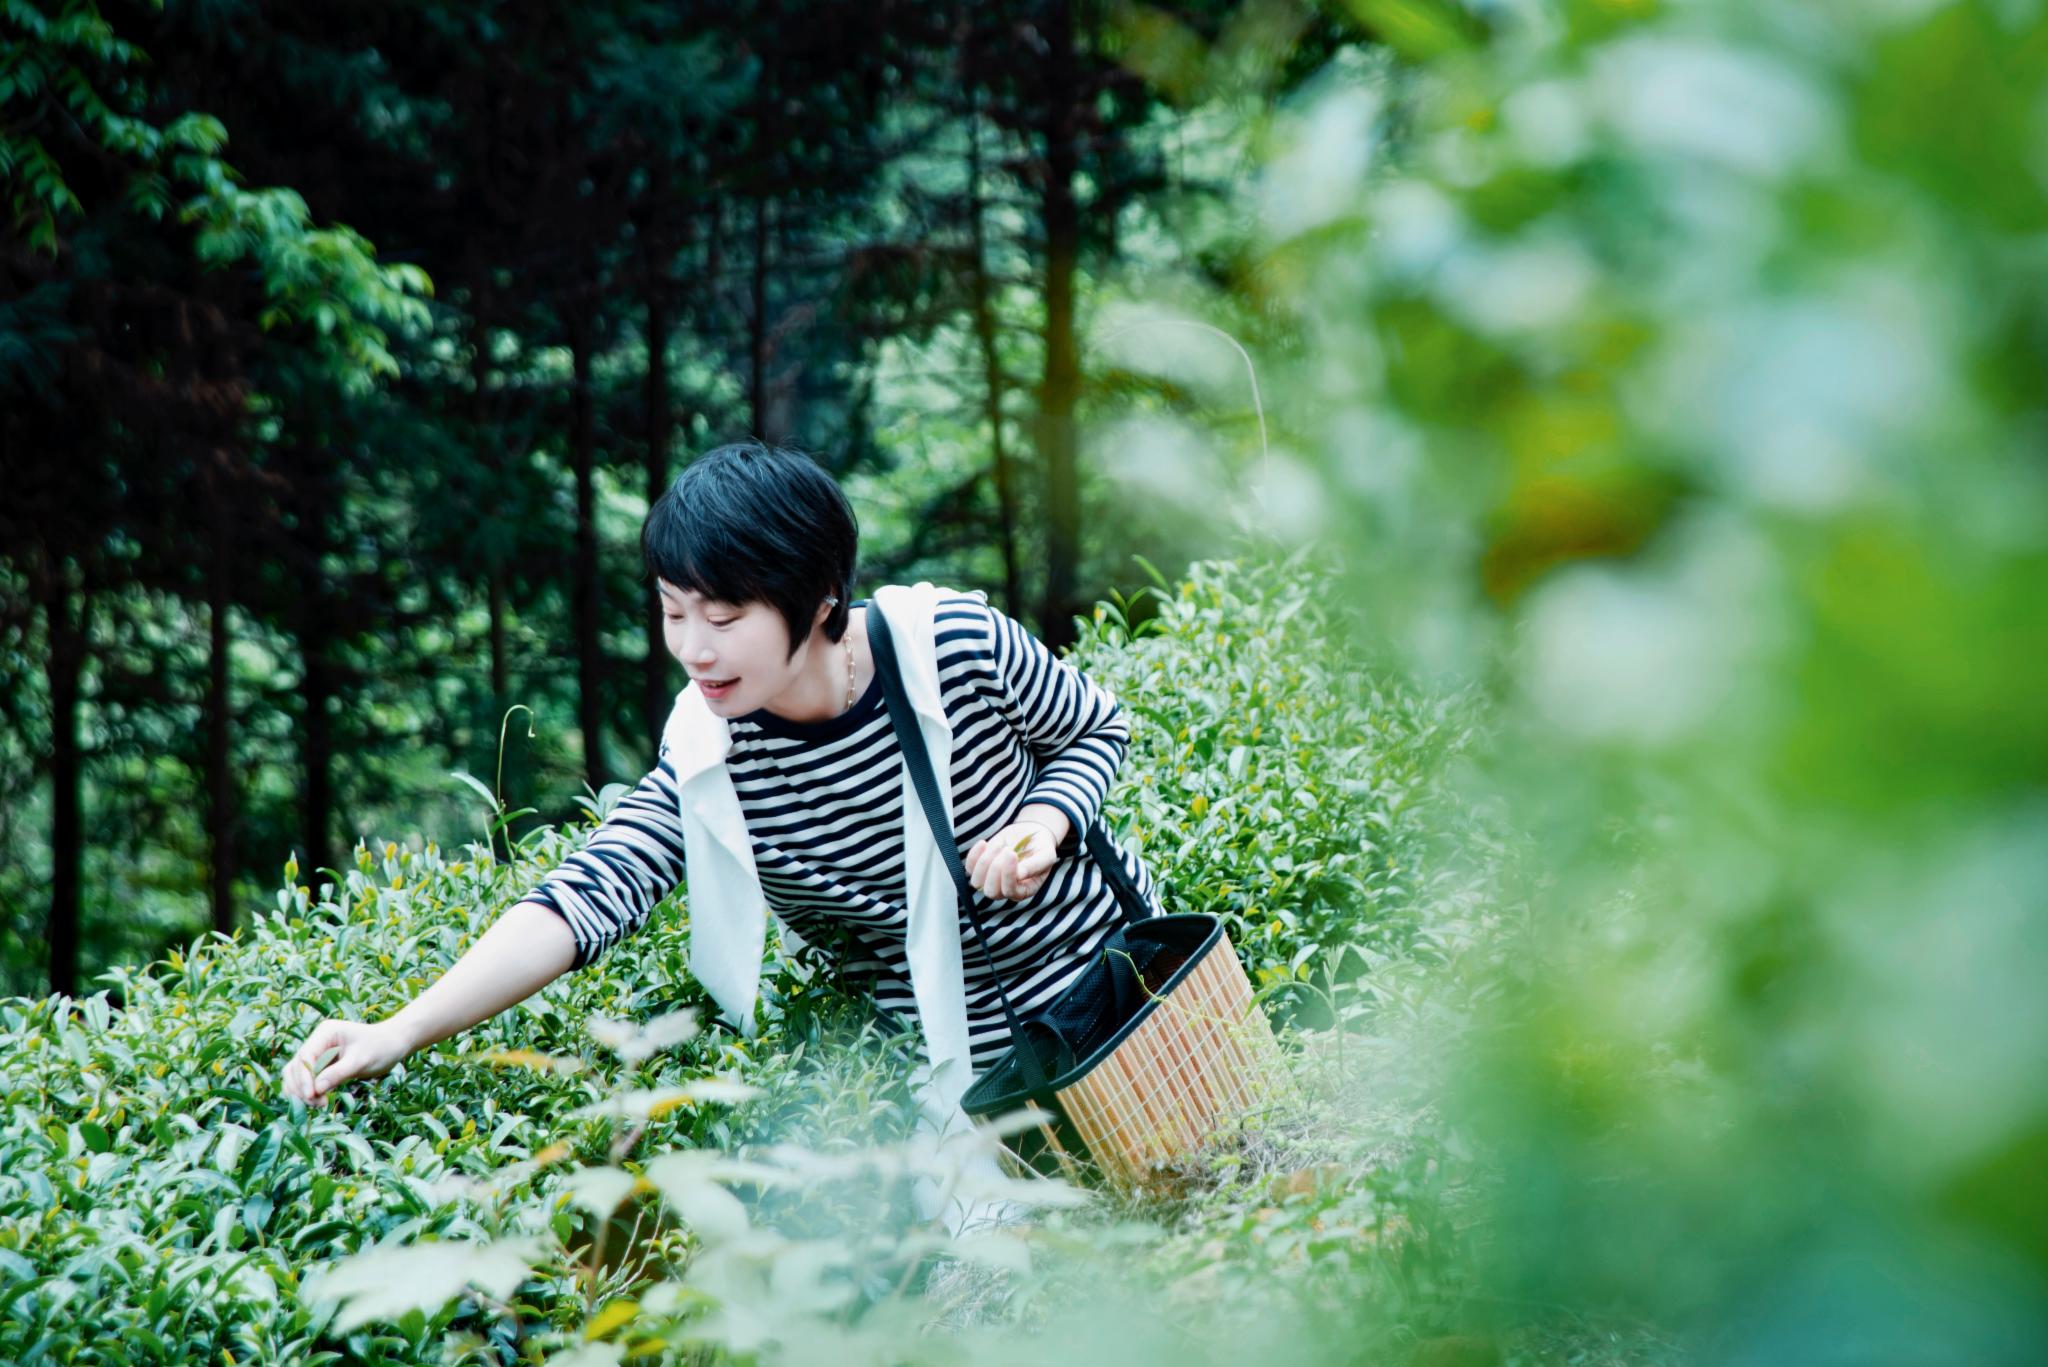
682, 598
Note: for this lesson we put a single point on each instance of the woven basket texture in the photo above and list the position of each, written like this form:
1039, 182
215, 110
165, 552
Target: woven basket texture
1200, 1060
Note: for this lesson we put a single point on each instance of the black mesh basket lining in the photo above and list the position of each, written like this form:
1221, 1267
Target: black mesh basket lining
1176, 943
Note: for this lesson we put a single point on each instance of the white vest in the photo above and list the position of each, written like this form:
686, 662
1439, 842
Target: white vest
729, 913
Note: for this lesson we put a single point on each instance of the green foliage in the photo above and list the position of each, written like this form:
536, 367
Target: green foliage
163, 1193
1298, 797
593, 1172
1672, 371
328, 279
59, 58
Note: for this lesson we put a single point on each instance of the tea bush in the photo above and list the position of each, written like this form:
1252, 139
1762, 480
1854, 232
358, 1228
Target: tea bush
1279, 787
161, 1197
607, 1178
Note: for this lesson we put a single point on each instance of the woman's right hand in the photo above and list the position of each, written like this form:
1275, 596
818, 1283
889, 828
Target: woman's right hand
367, 1050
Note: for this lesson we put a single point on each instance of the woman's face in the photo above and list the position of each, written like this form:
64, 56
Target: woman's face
738, 653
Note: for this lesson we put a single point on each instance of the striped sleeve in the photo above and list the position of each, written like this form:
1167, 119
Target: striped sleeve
632, 861
1074, 725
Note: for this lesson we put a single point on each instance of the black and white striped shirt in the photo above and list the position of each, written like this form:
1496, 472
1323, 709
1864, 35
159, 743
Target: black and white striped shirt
823, 803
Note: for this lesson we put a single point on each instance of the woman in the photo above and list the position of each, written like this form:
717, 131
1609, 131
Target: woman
780, 786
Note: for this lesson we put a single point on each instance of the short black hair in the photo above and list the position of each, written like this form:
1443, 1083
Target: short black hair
749, 522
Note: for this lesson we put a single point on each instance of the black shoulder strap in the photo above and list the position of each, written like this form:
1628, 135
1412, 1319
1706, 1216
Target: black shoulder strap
1095, 840
919, 762
1106, 856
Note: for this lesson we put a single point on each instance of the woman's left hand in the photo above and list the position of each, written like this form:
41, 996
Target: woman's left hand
1014, 861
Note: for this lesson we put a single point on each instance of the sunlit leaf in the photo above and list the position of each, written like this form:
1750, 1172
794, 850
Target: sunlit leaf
385, 1283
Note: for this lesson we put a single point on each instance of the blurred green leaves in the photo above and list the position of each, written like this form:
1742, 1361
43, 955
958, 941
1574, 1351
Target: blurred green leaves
1673, 372
1277, 786
385, 1283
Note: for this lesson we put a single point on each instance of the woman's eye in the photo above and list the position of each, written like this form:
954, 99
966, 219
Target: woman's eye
721, 622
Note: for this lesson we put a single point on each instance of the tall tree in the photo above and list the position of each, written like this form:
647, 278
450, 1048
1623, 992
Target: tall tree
981, 293
94, 153
1087, 129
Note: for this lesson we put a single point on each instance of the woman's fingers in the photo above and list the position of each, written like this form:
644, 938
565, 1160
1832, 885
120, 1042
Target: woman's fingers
1029, 868
1011, 879
985, 873
320, 1063
988, 871
1013, 882
298, 1073
995, 868
331, 1070
1037, 859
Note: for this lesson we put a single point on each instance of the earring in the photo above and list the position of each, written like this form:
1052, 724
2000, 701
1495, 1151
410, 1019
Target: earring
831, 602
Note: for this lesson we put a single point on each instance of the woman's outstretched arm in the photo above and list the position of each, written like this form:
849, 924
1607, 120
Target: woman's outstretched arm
592, 900
606, 890
523, 951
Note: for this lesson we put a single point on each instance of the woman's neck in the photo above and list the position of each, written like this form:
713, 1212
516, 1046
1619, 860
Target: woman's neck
820, 692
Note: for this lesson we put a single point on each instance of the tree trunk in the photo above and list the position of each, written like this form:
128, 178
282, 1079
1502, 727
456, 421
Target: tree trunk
656, 695
757, 389
1059, 393
587, 605
494, 600
63, 669
316, 690
220, 779
489, 462
991, 360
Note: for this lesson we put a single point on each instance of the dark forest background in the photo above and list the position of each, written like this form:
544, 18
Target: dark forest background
342, 347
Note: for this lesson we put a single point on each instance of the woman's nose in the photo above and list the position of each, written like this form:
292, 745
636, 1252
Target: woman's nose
697, 649
688, 646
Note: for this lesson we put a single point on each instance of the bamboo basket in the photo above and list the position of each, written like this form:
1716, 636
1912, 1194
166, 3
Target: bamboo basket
1196, 1057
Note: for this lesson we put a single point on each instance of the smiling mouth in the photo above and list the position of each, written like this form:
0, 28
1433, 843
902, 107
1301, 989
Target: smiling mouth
716, 683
